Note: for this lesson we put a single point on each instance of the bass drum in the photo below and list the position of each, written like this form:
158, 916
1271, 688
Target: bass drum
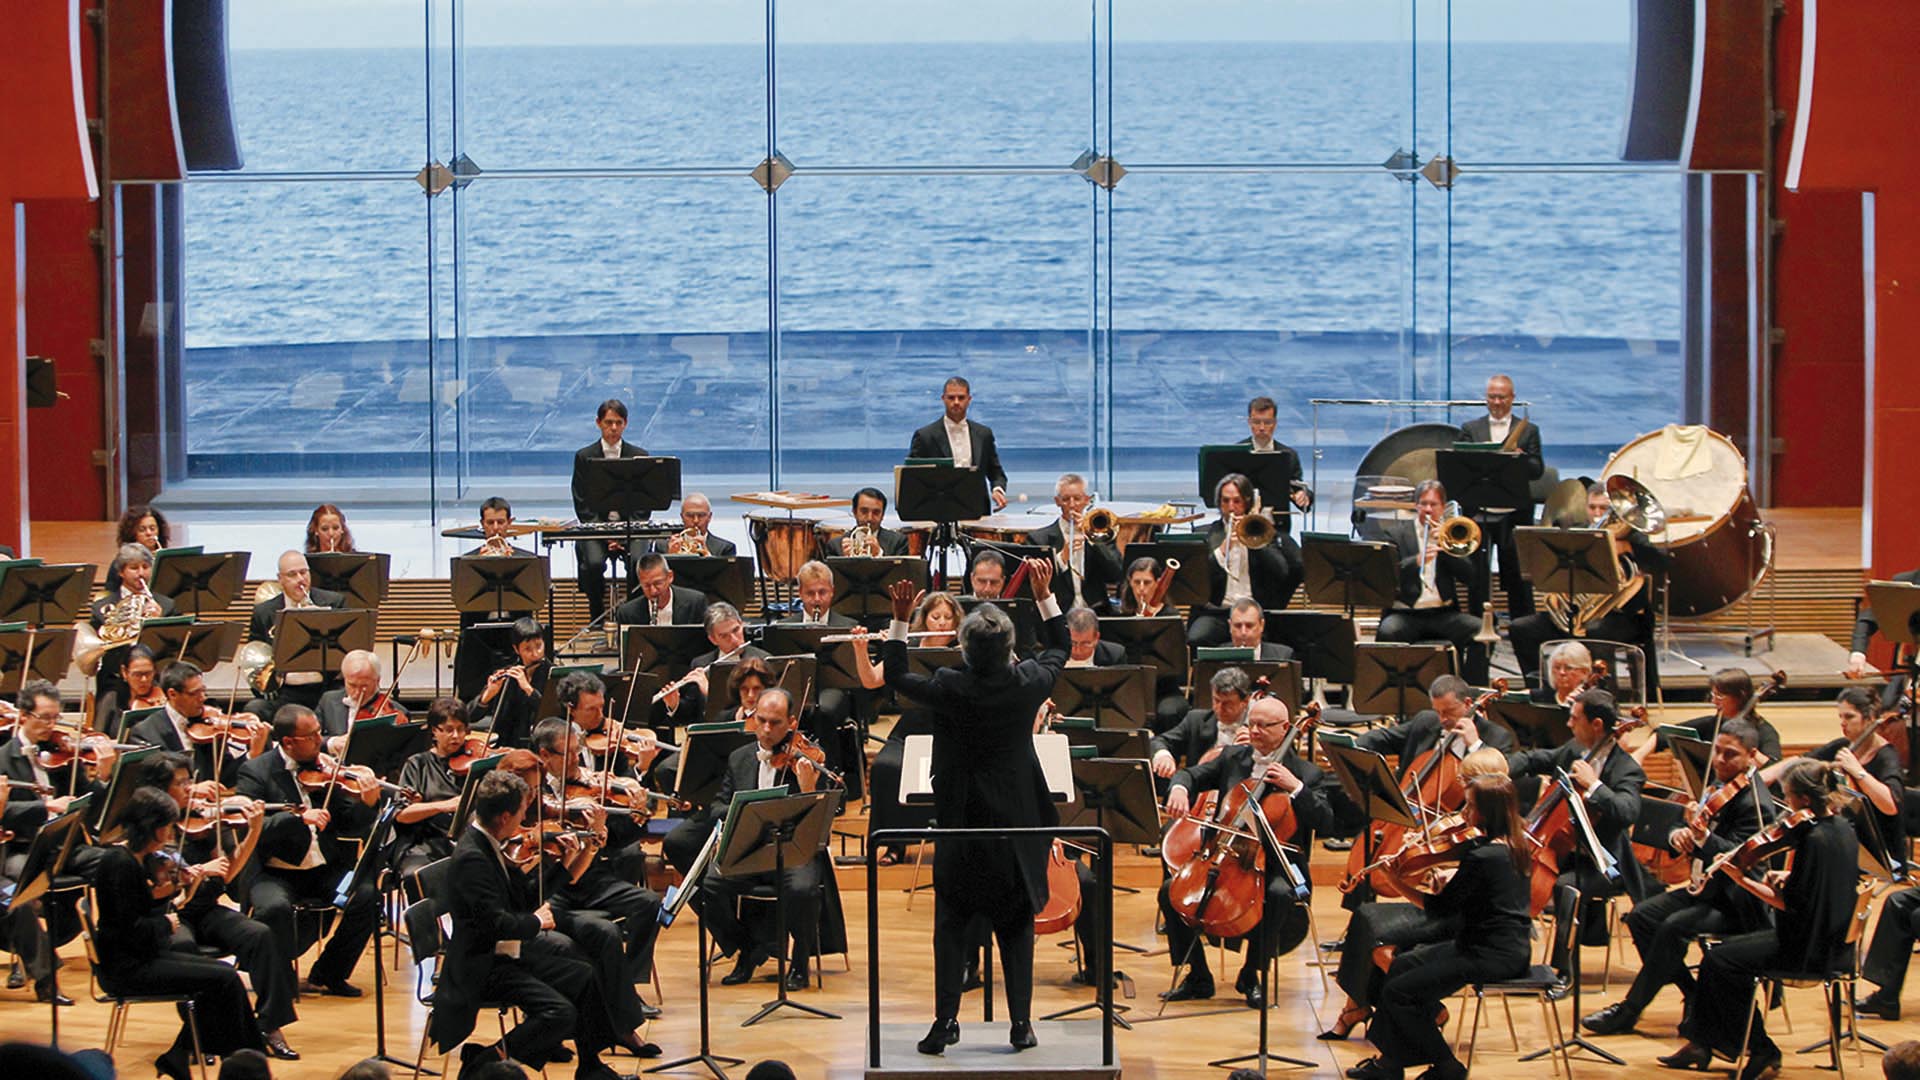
1713, 528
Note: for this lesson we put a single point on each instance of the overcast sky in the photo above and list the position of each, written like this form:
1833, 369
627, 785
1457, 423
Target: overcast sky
376, 23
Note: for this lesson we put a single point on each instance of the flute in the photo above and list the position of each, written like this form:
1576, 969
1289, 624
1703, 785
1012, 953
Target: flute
912, 635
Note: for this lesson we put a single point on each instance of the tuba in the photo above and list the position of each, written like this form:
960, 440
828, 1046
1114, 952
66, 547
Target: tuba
861, 542
120, 627
1255, 529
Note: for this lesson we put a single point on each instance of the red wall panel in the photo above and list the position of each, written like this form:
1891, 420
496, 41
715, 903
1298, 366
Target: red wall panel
63, 317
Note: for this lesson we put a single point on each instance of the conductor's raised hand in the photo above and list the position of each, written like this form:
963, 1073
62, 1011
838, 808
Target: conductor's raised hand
1040, 572
904, 597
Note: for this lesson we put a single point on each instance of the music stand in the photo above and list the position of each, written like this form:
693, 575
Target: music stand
44, 595
703, 759
836, 671
485, 584
1369, 782
463, 814
1283, 677
720, 577
1568, 561
678, 898
1394, 678
860, 584
360, 576
52, 651
1896, 606
1485, 482
1691, 753
943, 495
1191, 584
628, 489
1117, 795
1116, 698
105, 825
383, 745
1159, 642
202, 644
1350, 573
926, 661
131, 719
46, 857
199, 583
1024, 613
766, 835
1270, 471
667, 651
1534, 726
317, 640
1104, 742
1322, 642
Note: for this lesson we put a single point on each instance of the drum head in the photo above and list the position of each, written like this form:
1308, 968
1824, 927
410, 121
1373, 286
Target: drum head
1714, 484
1409, 452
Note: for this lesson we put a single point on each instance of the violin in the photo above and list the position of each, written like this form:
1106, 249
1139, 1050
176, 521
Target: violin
1782, 835
1700, 814
352, 779
546, 839
475, 748
1416, 864
62, 749
796, 746
212, 724
204, 817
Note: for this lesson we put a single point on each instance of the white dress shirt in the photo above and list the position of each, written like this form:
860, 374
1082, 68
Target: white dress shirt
663, 614
764, 778
1232, 558
1497, 430
960, 442
609, 449
32, 754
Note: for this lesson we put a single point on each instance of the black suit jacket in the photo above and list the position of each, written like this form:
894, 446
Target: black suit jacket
1480, 430
1188, 740
283, 835
689, 608
1449, 572
266, 611
1282, 511
1865, 625
1414, 737
1235, 764
1266, 570
26, 809
931, 442
1613, 807
1735, 822
985, 772
1103, 571
489, 902
591, 452
892, 544
157, 730
717, 546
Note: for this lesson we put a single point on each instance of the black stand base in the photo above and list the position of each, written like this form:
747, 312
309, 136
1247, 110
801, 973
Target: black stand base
781, 1001
706, 1056
380, 1003
1571, 1045
1093, 1006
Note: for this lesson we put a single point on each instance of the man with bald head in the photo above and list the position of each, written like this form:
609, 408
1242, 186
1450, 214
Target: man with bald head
696, 515
296, 593
1515, 435
360, 685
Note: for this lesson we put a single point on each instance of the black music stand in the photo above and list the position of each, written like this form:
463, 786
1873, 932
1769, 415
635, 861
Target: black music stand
1191, 584
310, 639
1568, 561
365, 873
202, 644
667, 651
1394, 678
105, 825
836, 670
703, 759
926, 661
1159, 642
1104, 742
1692, 754
945, 496
1283, 678
1485, 482
199, 583
1350, 573
860, 585
383, 744
1366, 778
718, 576
1896, 606
1271, 472
488, 584
360, 576
768, 834
1116, 698
628, 489
1534, 726
51, 652
463, 814
679, 898
1322, 642
44, 595
549, 703
46, 857
1025, 614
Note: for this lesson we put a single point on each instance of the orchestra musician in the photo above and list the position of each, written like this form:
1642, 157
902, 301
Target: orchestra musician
751, 677
1865, 625
1514, 435
1084, 571
1084, 647
584, 697
327, 531
986, 575
423, 825
1664, 925
503, 948
215, 858
766, 763
1631, 622
661, 602
727, 632
937, 616
360, 685
186, 691
1568, 668
139, 689
869, 510
1202, 731
833, 709
591, 555
507, 705
1488, 894
1143, 576
127, 582
1813, 904
1610, 788
1268, 574
143, 525
478, 653
1729, 690
296, 593
1427, 606
21, 927
307, 849
696, 519
496, 521
1247, 629
1264, 755
134, 928
1262, 418
968, 443
987, 775
1872, 768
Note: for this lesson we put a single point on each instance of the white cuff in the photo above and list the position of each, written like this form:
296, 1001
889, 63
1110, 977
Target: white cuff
896, 630
1049, 607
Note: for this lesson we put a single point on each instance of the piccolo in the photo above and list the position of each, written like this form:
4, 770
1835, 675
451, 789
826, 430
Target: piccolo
912, 635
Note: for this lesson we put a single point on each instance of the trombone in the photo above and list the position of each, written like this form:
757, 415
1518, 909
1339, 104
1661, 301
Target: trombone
1099, 524
1255, 529
1459, 534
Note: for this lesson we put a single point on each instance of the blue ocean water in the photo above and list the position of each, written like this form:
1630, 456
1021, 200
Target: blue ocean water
1424, 291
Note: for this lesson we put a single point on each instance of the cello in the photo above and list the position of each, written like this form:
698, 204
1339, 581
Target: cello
1558, 824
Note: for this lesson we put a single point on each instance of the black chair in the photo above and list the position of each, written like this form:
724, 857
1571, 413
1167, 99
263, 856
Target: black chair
1836, 985
422, 920
1541, 982
117, 1021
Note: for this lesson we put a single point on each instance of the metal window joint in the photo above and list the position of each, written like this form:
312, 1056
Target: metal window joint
1403, 164
772, 172
464, 171
1441, 172
1099, 169
434, 178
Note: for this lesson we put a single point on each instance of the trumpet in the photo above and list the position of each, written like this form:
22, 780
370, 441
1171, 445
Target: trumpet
496, 545
1099, 524
861, 542
1255, 529
687, 542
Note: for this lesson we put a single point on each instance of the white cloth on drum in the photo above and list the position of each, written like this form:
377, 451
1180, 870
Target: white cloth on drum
1682, 452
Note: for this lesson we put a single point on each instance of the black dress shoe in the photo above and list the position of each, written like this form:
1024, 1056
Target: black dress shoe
1616, 1019
1255, 998
595, 1070
336, 988
1020, 1035
277, 1046
1340, 844
1761, 1066
560, 1055
173, 1065
1248, 979
1690, 1056
16, 976
649, 1012
1191, 988
796, 978
1450, 1069
942, 1034
1880, 1004
46, 993
1375, 1069
743, 967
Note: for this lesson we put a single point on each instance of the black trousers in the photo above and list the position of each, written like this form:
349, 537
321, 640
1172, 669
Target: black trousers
591, 558
1396, 923
799, 893
601, 943
255, 951
1184, 946
221, 1009
1497, 535
26, 936
952, 944
1717, 1010
1416, 984
552, 985
273, 896
600, 890
682, 842
1439, 624
1891, 950
1662, 928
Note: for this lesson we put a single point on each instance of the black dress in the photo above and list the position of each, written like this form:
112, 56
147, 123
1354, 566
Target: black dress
133, 939
1489, 946
1885, 835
